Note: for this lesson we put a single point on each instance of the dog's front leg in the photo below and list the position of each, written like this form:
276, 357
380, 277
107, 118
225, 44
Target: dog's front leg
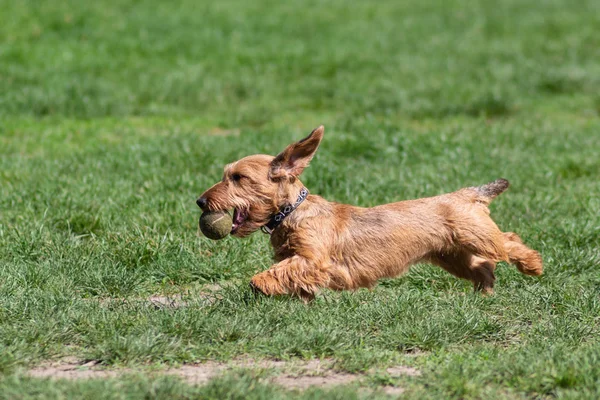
295, 275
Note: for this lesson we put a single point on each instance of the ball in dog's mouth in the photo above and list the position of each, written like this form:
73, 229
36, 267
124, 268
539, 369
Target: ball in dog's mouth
215, 225
239, 216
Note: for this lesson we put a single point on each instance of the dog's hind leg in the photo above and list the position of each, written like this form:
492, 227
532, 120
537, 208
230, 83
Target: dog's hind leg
464, 264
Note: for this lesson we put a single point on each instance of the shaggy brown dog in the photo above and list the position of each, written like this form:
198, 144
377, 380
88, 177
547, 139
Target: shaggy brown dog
319, 244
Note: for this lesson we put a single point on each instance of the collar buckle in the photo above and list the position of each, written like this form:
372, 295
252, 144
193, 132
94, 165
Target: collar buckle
284, 211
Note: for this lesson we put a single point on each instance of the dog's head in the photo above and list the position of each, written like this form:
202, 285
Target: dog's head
255, 187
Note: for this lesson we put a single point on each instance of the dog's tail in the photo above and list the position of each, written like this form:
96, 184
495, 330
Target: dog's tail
486, 193
527, 260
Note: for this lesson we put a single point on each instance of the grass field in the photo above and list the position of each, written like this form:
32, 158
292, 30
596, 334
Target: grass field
116, 115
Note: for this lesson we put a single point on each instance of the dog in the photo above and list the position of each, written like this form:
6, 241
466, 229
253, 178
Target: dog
320, 244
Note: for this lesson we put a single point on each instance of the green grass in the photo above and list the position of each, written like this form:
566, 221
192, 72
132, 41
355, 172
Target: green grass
116, 115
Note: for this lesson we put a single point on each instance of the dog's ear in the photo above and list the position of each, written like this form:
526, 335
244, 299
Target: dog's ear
292, 161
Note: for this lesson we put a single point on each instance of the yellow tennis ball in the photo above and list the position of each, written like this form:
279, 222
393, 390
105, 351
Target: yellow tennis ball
215, 225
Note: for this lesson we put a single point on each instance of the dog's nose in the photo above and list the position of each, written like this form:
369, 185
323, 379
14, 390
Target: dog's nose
201, 202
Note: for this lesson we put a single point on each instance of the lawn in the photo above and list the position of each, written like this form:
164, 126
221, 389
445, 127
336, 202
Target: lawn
116, 115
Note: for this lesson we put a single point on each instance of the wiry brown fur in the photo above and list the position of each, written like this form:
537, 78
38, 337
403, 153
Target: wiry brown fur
338, 246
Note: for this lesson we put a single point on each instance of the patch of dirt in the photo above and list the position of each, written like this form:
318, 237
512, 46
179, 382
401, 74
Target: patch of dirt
313, 373
401, 370
207, 294
200, 374
298, 375
393, 390
304, 382
173, 301
70, 368
246, 362
197, 374
398, 371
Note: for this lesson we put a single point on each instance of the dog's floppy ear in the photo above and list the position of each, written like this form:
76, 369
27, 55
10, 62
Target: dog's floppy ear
292, 161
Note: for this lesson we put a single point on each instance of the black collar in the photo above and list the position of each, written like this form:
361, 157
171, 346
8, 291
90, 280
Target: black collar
284, 211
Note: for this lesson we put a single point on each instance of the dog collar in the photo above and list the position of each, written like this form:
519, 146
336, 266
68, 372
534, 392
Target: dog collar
284, 211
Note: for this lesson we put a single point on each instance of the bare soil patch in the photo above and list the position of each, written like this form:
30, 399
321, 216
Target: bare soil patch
312, 373
197, 374
401, 370
298, 375
304, 382
70, 368
208, 294
393, 390
173, 301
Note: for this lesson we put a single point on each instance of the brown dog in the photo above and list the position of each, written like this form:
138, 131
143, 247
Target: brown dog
319, 244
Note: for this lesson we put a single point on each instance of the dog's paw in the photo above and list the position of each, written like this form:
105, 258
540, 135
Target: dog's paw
265, 284
255, 289
259, 285
306, 297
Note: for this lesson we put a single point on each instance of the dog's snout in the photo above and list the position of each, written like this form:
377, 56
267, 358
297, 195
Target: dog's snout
201, 202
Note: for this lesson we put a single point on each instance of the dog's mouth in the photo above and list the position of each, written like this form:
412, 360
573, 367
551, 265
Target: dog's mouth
239, 217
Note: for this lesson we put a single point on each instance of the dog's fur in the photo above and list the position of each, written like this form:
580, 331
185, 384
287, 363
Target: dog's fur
330, 245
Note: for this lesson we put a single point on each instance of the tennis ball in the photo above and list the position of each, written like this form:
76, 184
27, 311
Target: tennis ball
215, 225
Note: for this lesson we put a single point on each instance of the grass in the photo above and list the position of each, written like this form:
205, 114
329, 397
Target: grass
116, 115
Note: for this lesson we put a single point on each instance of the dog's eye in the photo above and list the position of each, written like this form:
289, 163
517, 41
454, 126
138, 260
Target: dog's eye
236, 177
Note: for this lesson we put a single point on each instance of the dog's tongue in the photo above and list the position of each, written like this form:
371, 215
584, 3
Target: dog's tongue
238, 218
